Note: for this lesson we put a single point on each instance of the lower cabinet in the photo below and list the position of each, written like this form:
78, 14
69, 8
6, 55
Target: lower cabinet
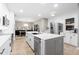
67, 37
6, 48
6, 52
30, 40
71, 38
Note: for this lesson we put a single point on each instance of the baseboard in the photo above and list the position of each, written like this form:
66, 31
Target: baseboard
70, 45
77, 48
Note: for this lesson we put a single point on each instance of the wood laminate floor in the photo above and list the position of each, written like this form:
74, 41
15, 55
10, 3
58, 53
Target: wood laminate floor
20, 47
70, 50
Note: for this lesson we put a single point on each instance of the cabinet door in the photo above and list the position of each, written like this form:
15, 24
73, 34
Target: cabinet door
6, 48
32, 42
73, 39
67, 38
28, 38
7, 44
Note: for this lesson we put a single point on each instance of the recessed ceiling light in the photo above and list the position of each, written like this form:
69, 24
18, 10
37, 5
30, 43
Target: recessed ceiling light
21, 11
52, 14
55, 5
39, 14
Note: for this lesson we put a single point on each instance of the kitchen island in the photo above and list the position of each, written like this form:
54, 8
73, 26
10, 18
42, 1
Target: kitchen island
48, 44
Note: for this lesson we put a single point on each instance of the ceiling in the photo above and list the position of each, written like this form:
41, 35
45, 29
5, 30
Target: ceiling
32, 11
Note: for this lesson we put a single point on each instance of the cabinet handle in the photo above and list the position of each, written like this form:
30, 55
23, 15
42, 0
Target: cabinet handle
71, 37
2, 51
30, 39
10, 44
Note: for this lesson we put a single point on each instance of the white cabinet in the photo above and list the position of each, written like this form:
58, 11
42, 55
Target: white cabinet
74, 39
5, 49
71, 38
30, 40
67, 37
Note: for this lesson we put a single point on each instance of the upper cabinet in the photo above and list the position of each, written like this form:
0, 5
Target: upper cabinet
70, 21
70, 24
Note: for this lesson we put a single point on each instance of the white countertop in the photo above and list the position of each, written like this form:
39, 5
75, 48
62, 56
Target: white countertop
31, 32
47, 36
3, 39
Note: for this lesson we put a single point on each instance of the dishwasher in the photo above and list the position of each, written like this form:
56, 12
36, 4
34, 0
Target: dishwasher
37, 46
